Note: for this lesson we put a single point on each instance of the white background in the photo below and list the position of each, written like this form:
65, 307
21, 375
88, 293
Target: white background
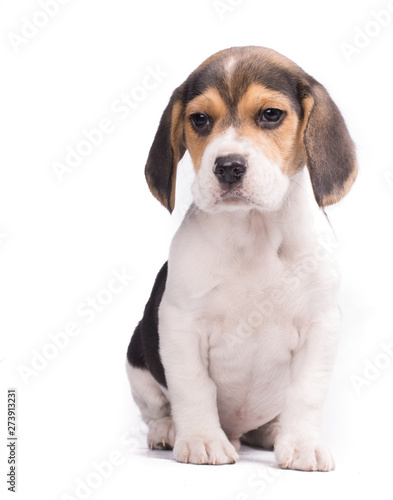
60, 242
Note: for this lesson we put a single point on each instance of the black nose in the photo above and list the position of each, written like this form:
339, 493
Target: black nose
230, 168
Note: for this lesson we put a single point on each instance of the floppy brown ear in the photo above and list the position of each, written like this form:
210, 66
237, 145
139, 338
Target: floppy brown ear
166, 151
329, 150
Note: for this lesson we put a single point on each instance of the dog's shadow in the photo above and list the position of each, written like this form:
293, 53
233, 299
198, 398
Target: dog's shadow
258, 456
247, 455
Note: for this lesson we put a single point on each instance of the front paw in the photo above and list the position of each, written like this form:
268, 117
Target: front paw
292, 453
161, 435
214, 449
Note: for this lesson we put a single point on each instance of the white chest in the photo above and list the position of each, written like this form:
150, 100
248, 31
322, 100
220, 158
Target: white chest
252, 323
249, 302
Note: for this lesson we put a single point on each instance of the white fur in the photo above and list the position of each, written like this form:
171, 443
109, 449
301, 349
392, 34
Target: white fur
248, 322
263, 184
230, 66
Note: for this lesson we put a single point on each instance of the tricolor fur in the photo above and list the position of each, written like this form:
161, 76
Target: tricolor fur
235, 343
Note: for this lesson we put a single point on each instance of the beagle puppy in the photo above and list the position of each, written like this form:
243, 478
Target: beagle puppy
239, 336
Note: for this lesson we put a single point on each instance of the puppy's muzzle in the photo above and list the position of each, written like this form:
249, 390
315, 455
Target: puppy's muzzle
230, 169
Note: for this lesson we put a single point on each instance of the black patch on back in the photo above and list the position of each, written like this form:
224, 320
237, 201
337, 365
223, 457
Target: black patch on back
143, 350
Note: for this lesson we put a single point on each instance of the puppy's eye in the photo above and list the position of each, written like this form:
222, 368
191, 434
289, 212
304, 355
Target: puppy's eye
271, 115
200, 120
269, 118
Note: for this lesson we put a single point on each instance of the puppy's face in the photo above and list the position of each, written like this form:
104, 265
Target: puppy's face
251, 119
245, 151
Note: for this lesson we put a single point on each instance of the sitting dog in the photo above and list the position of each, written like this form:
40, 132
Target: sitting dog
235, 345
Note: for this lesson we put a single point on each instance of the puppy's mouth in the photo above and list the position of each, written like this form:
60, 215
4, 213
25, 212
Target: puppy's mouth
234, 197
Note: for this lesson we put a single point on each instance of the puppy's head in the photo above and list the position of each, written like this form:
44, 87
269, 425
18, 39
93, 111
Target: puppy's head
250, 119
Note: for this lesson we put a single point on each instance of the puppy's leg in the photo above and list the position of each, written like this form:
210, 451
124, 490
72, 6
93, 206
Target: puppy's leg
193, 394
154, 407
299, 445
263, 437
146, 373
